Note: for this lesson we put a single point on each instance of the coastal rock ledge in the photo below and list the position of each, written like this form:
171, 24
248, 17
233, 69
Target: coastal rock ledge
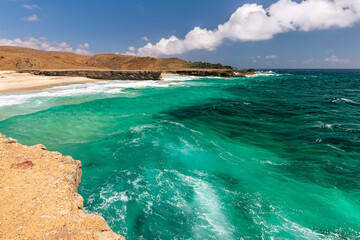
39, 198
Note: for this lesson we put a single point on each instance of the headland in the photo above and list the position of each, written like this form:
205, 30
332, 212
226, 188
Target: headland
39, 198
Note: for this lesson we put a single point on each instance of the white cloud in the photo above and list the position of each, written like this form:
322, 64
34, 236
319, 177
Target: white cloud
145, 38
131, 48
43, 44
84, 46
335, 59
271, 57
262, 58
252, 22
31, 7
129, 53
32, 18
308, 61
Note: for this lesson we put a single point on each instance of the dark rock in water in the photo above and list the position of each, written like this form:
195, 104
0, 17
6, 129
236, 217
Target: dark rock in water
212, 72
201, 72
198, 72
207, 65
100, 74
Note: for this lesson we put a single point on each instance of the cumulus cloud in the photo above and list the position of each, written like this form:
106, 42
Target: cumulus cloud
43, 44
253, 22
145, 38
132, 48
335, 59
31, 6
32, 18
271, 57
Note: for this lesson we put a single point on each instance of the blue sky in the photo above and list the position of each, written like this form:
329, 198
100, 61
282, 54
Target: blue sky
315, 40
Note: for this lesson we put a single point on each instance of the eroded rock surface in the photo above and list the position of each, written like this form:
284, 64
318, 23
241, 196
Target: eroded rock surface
39, 199
212, 72
100, 74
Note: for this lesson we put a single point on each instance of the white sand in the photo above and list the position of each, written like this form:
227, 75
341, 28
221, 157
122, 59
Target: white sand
11, 81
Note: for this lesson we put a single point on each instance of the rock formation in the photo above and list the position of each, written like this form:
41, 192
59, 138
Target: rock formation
212, 72
39, 198
100, 74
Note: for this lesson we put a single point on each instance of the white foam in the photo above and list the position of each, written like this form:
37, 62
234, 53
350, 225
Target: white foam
348, 100
210, 207
178, 78
107, 87
342, 100
325, 125
271, 231
334, 147
264, 74
272, 163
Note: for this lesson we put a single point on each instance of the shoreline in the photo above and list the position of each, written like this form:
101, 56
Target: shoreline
31, 80
40, 198
11, 81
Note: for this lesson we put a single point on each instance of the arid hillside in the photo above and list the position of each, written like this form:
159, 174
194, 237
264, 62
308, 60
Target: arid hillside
19, 58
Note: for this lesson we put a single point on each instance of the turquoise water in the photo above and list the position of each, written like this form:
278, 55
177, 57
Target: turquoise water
276, 155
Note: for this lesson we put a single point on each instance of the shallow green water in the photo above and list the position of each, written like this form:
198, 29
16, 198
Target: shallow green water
275, 155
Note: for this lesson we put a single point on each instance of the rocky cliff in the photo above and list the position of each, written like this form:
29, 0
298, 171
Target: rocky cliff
39, 198
100, 74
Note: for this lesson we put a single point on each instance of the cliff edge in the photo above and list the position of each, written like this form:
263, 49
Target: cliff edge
39, 198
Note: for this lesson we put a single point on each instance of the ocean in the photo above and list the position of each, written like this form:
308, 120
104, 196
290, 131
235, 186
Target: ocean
272, 156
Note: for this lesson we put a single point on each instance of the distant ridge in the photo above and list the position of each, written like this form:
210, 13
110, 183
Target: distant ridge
20, 58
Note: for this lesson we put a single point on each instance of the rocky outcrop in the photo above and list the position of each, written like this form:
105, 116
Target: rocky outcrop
39, 198
212, 72
203, 73
207, 65
100, 74
28, 63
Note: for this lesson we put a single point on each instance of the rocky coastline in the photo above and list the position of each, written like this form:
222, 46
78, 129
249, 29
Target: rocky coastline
212, 72
39, 198
106, 66
100, 74
137, 75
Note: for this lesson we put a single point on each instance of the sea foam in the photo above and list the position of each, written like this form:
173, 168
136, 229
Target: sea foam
105, 87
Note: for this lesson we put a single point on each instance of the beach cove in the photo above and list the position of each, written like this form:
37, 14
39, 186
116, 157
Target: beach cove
216, 158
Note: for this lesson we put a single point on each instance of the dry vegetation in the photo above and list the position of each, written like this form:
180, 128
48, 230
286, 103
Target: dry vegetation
17, 58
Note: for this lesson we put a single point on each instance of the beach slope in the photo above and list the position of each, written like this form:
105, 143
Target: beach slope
11, 81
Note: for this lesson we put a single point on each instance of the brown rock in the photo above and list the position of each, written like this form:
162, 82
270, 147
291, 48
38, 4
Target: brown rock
40, 146
11, 140
23, 165
42, 202
100, 74
212, 72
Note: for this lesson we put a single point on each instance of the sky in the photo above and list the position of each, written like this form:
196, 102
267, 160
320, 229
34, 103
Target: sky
260, 34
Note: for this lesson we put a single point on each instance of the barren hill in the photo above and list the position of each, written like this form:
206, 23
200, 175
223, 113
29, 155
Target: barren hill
19, 58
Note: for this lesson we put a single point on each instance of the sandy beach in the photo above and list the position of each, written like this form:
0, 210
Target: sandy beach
11, 81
